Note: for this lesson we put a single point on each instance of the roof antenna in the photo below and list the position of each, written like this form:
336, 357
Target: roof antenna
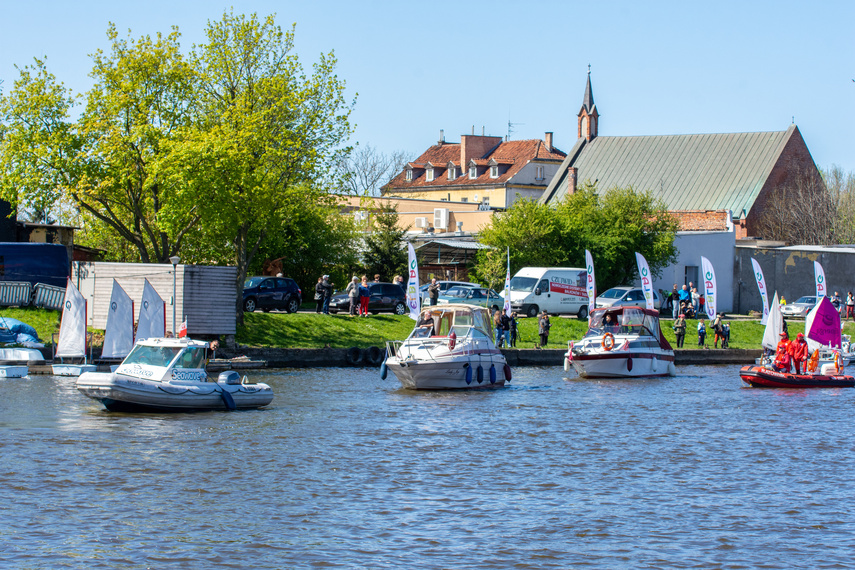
511, 126
794, 119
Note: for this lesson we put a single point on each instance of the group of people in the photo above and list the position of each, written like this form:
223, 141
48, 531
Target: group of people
719, 327
846, 309
791, 353
686, 301
357, 290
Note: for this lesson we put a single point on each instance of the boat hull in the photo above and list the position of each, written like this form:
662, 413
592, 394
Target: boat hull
759, 377
449, 373
623, 365
122, 393
13, 371
71, 369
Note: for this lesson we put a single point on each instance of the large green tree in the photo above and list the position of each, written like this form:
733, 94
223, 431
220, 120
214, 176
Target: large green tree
612, 227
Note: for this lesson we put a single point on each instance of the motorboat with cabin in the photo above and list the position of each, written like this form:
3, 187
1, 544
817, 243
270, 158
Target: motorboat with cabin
456, 351
621, 342
168, 374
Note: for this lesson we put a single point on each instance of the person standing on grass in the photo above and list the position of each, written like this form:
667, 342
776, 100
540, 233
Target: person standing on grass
718, 330
850, 306
675, 302
543, 327
353, 293
680, 330
328, 291
702, 332
319, 295
364, 296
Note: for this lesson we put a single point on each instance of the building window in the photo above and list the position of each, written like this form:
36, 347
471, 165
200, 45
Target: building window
408, 174
494, 171
443, 199
473, 171
429, 174
539, 173
464, 199
485, 201
452, 172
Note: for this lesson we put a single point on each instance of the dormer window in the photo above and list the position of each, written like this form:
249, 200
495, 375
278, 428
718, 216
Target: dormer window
408, 174
452, 172
429, 174
494, 171
473, 172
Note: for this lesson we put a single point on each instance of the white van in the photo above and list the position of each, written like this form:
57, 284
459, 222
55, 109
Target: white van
557, 290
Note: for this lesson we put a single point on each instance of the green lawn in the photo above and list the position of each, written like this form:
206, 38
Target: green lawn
45, 321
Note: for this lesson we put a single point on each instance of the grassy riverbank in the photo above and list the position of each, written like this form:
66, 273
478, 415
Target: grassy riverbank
310, 330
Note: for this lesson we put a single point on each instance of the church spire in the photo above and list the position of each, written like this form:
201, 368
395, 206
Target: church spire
588, 115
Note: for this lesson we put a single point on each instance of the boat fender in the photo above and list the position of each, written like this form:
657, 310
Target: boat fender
353, 356
374, 355
383, 371
479, 374
492, 374
608, 341
227, 399
468, 373
567, 364
629, 364
508, 374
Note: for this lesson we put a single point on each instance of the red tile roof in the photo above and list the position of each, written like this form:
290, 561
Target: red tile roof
514, 154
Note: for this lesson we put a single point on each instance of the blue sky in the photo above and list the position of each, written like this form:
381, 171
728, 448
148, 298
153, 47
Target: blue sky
418, 67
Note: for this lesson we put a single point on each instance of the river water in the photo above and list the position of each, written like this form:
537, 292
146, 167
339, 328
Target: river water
345, 470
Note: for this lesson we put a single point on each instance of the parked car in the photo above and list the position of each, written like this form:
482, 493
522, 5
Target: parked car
443, 287
479, 296
267, 293
385, 298
800, 308
624, 296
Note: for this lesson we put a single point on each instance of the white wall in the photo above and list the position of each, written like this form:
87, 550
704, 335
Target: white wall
719, 248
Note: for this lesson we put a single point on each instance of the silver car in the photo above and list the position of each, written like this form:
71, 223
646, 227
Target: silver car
800, 308
625, 296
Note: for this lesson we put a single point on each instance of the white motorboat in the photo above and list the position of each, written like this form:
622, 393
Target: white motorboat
456, 352
168, 374
633, 347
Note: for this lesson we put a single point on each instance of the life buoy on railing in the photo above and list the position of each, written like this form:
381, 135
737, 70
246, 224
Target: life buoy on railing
813, 362
608, 341
452, 340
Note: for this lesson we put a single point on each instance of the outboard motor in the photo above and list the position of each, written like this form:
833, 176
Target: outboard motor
229, 377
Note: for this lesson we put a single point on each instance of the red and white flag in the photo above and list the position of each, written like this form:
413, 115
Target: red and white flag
182, 329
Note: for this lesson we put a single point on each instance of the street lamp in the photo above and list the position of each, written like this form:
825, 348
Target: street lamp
174, 260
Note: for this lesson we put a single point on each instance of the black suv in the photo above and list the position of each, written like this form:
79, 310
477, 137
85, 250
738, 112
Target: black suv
385, 297
266, 293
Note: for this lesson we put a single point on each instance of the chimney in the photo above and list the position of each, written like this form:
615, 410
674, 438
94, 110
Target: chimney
441, 136
474, 146
460, 228
572, 172
549, 142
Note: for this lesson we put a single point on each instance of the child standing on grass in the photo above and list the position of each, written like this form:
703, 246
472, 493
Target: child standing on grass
702, 332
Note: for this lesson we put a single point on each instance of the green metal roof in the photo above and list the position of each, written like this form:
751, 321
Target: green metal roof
688, 172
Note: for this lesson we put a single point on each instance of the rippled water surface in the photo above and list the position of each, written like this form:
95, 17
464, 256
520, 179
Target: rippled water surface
347, 470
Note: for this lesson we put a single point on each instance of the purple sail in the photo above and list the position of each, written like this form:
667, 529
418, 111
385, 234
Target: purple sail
824, 328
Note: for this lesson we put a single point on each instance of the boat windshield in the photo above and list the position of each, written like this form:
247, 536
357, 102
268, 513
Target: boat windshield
193, 357
630, 321
152, 355
523, 283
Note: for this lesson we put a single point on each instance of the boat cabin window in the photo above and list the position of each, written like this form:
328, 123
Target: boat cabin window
483, 323
192, 358
152, 355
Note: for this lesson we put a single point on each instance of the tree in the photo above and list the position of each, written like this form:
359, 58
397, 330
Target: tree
366, 169
383, 253
612, 227
800, 212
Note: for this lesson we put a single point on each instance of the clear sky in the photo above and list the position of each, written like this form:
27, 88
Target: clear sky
418, 67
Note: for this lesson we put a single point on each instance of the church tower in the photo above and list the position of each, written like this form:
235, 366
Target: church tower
588, 115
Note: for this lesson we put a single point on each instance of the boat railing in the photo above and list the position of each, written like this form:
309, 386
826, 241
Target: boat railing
393, 347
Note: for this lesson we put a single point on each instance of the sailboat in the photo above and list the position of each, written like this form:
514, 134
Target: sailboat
825, 367
119, 333
72, 335
152, 320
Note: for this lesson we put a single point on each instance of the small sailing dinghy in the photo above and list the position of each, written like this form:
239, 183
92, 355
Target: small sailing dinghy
72, 336
119, 333
169, 375
825, 367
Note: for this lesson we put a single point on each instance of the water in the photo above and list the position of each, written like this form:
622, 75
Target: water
345, 470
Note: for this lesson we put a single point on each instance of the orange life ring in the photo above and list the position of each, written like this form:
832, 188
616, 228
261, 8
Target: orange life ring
838, 362
452, 340
608, 341
813, 362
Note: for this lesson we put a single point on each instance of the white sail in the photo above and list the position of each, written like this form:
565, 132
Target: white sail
413, 299
72, 328
774, 325
152, 321
119, 334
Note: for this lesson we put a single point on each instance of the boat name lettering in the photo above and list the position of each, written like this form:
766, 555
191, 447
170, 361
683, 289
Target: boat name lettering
186, 375
135, 370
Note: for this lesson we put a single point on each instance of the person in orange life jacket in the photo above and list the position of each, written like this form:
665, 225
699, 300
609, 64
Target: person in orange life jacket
799, 352
782, 354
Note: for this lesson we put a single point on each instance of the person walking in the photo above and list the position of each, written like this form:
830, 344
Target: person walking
702, 332
328, 291
433, 291
850, 306
364, 296
352, 291
319, 296
543, 327
680, 329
